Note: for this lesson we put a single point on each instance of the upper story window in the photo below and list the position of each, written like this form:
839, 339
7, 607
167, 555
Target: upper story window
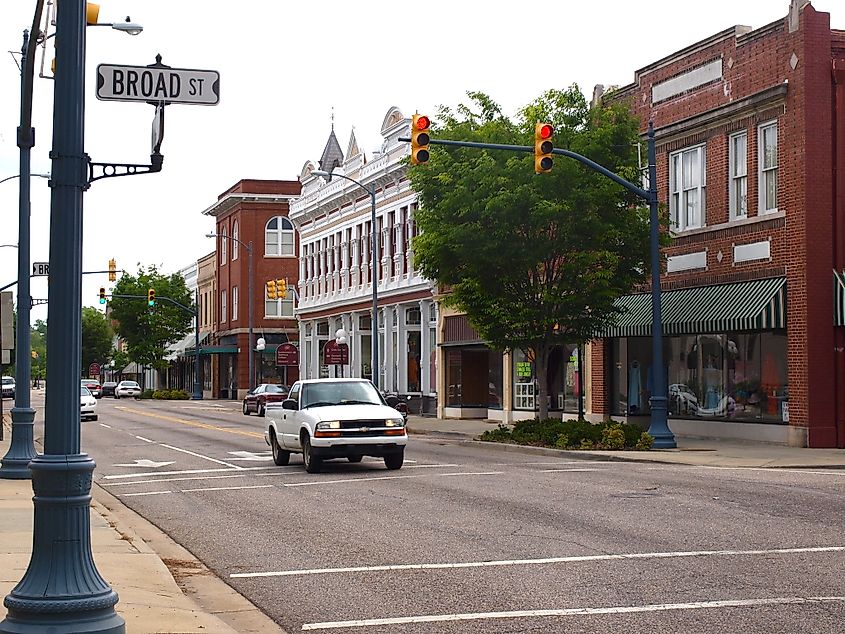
223, 306
278, 236
234, 303
275, 308
687, 188
235, 243
224, 246
767, 140
738, 175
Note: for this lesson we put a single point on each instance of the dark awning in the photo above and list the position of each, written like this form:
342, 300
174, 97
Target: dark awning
740, 306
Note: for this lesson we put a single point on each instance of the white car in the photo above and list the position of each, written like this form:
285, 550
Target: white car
127, 388
8, 387
88, 404
335, 418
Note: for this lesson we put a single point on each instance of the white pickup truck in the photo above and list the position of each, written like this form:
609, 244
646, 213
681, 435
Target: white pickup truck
335, 418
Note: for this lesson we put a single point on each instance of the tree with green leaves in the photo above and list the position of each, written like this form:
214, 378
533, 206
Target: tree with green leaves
535, 261
38, 343
148, 330
96, 338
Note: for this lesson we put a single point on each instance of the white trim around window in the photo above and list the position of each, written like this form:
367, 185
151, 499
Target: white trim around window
767, 167
223, 306
235, 243
234, 303
224, 239
688, 188
738, 175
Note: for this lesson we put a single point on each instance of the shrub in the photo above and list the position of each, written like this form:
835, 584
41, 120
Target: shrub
147, 394
613, 437
645, 442
570, 434
170, 395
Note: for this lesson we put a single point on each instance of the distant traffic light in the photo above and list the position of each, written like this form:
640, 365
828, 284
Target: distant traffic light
282, 285
102, 295
151, 297
543, 147
420, 138
272, 291
112, 270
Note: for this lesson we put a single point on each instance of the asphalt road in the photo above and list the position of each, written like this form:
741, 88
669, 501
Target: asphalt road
467, 538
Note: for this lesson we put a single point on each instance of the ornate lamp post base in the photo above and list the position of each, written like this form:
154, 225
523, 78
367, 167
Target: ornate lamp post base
15, 464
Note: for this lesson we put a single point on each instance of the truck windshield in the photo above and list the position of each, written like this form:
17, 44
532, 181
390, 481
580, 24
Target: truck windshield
339, 393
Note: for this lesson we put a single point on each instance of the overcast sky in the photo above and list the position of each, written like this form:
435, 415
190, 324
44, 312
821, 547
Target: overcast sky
283, 67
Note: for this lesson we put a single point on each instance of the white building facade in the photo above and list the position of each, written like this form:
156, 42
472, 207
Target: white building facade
335, 289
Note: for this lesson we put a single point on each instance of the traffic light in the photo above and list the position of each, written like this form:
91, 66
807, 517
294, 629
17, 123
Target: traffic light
151, 297
420, 138
112, 270
543, 147
102, 295
272, 291
92, 12
282, 285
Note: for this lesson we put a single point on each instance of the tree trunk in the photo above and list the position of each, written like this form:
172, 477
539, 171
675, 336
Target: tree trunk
541, 358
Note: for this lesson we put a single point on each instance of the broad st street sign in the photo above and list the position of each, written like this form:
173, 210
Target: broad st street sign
158, 84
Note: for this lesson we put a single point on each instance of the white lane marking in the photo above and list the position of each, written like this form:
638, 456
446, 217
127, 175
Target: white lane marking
152, 480
251, 455
144, 462
144, 439
126, 495
476, 616
146, 474
254, 486
371, 479
104, 425
576, 470
547, 560
199, 455
783, 470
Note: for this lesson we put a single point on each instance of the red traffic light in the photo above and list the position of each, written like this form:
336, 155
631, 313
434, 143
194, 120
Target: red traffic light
422, 122
545, 131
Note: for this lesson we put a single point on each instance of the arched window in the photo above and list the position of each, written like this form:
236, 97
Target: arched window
278, 236
235, 237
224, 240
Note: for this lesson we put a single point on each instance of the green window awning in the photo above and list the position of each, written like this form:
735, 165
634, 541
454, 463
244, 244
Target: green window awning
839, 298
739, 306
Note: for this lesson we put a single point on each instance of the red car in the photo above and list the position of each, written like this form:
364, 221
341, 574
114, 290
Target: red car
265, 393
94, 386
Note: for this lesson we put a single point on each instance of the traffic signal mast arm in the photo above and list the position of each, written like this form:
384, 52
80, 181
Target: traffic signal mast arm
159, 298
631, 187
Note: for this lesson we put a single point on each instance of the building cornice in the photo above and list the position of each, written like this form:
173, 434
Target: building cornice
229, 201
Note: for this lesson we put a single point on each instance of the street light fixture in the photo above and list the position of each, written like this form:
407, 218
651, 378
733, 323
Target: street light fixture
248, 247
371, 190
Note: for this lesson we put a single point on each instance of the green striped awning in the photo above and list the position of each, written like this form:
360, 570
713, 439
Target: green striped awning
740, 306
839, 298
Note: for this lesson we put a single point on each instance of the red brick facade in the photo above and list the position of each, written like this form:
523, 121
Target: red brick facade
781, 72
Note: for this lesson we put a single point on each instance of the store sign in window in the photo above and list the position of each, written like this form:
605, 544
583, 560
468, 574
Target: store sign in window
523, 369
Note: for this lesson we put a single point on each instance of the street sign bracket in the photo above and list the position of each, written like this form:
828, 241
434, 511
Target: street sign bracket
96, 171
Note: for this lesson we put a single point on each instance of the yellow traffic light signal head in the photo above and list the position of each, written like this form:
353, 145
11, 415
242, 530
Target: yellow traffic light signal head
151, 297
272, 291
92, 12
420, 138
283, 288
102, 295
543, 147
112, 270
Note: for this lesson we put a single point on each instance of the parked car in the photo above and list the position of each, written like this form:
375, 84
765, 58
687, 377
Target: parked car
127, 388
256, 401
94, 386
335, 418
108, 388
88, 404
8, 387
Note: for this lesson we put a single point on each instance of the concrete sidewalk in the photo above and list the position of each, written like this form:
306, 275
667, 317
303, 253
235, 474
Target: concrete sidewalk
165, 589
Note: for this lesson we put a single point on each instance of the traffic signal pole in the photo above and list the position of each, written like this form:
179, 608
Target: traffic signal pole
659, 425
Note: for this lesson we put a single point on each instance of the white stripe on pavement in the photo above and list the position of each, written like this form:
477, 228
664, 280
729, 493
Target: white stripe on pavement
254, 486
127, 495
146, 474
372, 479
199, 455
475, 616
547, 560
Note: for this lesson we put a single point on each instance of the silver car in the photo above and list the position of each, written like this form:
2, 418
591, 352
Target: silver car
87, 404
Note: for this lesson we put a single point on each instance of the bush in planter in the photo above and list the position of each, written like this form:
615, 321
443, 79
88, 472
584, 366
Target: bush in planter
147, 394
570, 434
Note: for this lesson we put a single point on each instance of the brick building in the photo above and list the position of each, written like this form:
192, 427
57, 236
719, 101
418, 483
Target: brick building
251, 212
750, 129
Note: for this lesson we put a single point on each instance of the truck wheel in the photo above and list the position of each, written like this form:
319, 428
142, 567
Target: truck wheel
311, 462
355, 458
280, 456
394, 461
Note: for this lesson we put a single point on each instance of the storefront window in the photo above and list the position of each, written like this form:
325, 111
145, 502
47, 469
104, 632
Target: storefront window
366, 357
495, 381
414, 342
453, 378
523, 381
734, 376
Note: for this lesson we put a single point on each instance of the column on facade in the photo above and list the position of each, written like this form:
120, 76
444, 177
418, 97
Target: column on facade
425, 344
303, 278
409, 231
323, 266
344, 258
336, 264
355, 267
399, 229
